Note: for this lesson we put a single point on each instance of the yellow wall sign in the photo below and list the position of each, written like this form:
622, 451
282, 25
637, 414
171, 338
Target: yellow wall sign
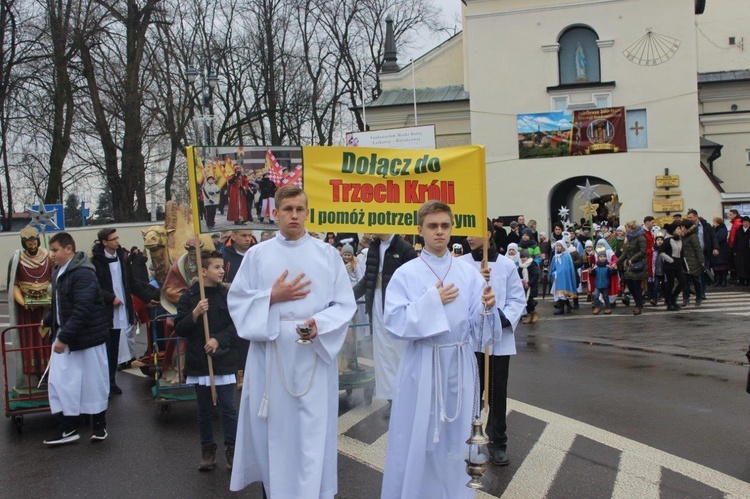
666, 205
667, 180
358, 189
673, 192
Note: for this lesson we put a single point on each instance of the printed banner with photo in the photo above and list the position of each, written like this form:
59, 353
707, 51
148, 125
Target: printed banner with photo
562, 133
233, 188
357, 189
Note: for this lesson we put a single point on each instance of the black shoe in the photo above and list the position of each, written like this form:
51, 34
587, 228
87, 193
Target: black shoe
499, 458
698, 301
685, 302
114, 389
626, 301
63, 437
652, 302
99, 434
575, 303
560, 311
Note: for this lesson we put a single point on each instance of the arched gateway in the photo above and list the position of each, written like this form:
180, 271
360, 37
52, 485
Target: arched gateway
566, 194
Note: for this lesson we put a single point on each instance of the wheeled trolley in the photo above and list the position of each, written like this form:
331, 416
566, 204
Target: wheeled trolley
23, 367
167, 365
352, 374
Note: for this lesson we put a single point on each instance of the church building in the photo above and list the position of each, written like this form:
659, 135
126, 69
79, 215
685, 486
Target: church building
647, 100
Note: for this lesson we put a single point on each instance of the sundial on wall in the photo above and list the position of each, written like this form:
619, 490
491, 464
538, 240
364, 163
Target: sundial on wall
652, 49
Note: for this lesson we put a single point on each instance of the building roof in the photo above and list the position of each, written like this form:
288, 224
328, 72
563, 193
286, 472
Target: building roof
403, 97
724, 76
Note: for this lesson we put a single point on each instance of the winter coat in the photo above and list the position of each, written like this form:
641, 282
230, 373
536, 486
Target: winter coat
692, 252
721, 234
138, 269
131, 287
78, 301
232, 261
601, 273
397, 253
534, 273
634, 251
220, 326
672, 247
710, 242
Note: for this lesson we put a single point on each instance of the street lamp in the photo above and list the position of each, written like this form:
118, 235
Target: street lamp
208, 81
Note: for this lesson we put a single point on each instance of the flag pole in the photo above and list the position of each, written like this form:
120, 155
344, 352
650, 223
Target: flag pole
486, 374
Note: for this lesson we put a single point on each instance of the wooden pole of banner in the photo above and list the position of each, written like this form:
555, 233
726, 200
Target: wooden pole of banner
486, 374
193, 181
199, 263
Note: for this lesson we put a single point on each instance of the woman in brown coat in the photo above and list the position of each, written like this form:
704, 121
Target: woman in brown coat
633, 262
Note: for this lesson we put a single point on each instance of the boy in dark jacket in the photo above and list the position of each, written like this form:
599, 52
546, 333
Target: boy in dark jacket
528, 270
222, 346
78, 374
601, 274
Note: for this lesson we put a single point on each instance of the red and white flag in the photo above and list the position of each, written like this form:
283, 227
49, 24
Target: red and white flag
275, 172
294, 177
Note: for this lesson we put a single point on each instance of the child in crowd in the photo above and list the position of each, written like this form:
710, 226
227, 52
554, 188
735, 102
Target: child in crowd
601, 276
222, 347
529, 272
562, 272
512, 253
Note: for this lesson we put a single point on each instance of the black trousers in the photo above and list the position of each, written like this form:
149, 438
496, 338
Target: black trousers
496, 425
113, 345
635, 289
68, 423
210, 216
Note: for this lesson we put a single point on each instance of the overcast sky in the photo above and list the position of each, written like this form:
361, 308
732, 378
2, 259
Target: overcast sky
451, 15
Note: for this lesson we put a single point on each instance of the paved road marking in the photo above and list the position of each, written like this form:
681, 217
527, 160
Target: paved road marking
538, 471
731, 486
639, 471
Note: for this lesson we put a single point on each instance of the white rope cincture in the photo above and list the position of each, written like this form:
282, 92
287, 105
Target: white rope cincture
283, 377
438, 385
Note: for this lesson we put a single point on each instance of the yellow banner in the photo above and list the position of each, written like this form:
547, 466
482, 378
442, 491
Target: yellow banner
358, 189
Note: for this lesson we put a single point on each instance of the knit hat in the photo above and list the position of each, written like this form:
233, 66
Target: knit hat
589, 244
524, 253
347, 249
622, 228
528, 232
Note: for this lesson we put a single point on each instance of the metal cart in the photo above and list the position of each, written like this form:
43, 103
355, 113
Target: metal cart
358, 376
22, 395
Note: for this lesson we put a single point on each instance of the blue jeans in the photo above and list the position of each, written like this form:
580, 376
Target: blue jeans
604, 294
225, 401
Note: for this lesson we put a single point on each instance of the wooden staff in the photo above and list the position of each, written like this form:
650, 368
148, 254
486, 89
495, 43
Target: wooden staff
205, 318
485, 250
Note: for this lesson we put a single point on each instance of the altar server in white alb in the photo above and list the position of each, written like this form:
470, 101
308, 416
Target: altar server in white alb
436, 303
78, 372
511, 303
289, 406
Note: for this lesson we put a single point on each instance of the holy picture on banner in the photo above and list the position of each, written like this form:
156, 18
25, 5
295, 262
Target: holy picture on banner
234, 187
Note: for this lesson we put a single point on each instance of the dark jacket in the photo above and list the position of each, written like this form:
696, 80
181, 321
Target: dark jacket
138, 266
721, 234
501, 239
634, 250
533, 283
691, 251
78, 300
232, 261
710, 241
602, 272
398, 253
131, 286
220, 326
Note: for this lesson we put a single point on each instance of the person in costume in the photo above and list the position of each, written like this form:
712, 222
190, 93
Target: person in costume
78, 374
287, 434
562, 272
238, 187
504, 279
30, 277
614, 280
435, 303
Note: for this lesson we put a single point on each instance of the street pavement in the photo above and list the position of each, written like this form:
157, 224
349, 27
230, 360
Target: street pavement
600, 406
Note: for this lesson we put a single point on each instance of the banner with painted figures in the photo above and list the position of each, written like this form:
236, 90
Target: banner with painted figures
233, 187
577, 133
357, 189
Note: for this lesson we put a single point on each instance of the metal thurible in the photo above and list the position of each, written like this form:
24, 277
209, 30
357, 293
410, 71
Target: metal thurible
475, 468
477, 434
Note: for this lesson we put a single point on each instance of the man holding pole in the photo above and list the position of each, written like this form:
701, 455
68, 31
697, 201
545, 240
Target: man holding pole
502, 275
292, 299
436, 302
